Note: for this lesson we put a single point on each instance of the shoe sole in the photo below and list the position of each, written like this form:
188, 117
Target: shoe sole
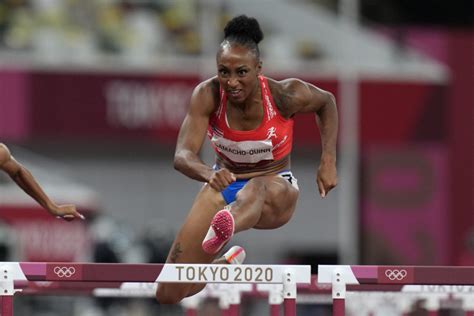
222, 219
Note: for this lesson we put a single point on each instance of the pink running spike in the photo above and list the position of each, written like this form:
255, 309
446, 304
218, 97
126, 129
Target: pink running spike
220, 232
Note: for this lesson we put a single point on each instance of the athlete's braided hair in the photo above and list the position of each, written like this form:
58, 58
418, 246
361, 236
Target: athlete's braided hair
245, 31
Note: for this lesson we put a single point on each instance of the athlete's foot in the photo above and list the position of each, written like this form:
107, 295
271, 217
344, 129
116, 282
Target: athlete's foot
235, 255
220, 232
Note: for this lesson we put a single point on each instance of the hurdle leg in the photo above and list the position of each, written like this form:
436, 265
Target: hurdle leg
403, 303
225, 311
6, 292
224, 302
289, 293
338, 294
7, 306
275, 298
467, 301
234, 300
191, 304
467, 304
229, 300
234, 310
371, 302
432, 304
274, 309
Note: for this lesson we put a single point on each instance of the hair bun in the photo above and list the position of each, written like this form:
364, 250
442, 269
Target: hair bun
243, 26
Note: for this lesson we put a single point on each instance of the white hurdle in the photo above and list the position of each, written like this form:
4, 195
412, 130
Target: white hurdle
287, 275
339, 276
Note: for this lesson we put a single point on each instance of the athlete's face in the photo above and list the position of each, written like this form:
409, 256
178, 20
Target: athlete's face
238, 69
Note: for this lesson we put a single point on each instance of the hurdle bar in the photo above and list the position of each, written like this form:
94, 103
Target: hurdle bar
288, 275
339, 276
313, 293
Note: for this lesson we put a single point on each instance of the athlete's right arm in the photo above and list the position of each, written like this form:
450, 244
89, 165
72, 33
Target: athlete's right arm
192, 134
191, 137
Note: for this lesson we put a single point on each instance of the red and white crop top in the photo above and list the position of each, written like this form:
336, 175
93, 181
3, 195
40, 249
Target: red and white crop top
272, 140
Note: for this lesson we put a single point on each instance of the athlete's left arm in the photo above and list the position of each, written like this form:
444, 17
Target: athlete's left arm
25, 180
309, 98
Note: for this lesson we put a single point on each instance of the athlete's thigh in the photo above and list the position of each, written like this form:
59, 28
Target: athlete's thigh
280, 202
187, 244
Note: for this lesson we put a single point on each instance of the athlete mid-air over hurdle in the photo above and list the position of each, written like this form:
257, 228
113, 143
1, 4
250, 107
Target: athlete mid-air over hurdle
248, 118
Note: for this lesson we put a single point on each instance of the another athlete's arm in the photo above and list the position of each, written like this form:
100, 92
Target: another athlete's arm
27, 183
309, 98
191, 137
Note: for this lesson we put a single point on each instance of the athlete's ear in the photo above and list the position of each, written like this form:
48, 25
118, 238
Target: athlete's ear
259, 68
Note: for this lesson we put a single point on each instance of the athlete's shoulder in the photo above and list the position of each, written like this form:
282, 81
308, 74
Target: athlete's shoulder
288, 87
293, 85
289, 94
208, 87
205, 96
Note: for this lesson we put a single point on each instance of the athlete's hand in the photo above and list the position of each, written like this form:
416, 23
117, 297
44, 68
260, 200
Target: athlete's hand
326, 177
67, 212
220, 179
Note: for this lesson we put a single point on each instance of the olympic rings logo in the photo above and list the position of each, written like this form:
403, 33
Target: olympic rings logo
396, 274
64, 272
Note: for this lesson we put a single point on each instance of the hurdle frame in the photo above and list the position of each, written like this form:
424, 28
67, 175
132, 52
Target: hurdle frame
340, 276
17, 272
312, 293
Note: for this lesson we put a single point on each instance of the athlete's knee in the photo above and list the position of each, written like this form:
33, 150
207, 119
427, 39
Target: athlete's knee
280, 206
282, 191
169, 295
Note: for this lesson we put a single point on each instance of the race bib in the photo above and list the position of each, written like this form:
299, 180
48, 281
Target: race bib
249, 151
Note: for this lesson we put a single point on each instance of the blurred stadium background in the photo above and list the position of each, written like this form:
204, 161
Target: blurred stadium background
92, 94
